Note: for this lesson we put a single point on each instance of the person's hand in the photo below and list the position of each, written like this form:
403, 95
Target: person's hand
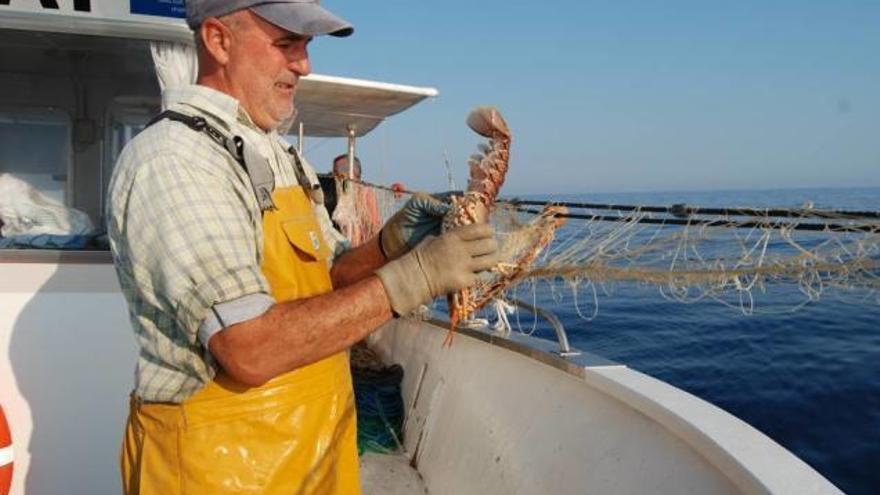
421, 216
438, 266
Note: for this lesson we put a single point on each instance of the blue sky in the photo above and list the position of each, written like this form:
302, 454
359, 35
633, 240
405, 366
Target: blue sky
623, 95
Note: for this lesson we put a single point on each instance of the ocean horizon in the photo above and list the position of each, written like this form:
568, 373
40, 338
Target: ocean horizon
854, 197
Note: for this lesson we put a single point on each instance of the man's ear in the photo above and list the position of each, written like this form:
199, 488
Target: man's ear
217, 39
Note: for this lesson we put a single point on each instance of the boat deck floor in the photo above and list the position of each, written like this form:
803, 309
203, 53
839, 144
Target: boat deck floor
390, 474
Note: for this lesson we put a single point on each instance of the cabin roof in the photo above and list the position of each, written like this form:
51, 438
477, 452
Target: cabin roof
328, 106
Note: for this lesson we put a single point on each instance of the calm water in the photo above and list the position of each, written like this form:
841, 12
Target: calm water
808, 379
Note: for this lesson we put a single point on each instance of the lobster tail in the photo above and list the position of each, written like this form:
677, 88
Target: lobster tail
487, 122
488, 168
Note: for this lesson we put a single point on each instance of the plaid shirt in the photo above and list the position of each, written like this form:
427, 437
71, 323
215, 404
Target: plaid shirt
186, 234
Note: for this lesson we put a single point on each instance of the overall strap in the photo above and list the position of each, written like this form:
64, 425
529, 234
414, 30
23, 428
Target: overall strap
255, 165
312, 188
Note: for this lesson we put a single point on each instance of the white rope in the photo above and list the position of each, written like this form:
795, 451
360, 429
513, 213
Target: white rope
176, 64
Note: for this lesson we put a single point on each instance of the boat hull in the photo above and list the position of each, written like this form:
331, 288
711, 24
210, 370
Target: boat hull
65, 375
500, 416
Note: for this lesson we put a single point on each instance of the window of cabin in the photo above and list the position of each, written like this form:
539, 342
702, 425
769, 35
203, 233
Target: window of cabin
35, 148
68, 105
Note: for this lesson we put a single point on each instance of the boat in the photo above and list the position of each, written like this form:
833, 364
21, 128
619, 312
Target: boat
492, 414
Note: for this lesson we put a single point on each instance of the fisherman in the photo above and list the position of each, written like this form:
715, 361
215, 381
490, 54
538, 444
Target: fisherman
356, 213
341, 167
242, 300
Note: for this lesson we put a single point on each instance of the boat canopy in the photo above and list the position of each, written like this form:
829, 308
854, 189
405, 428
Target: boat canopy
333, 106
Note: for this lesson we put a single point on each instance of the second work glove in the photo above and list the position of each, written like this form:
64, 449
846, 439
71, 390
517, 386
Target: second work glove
438, 266
421, 216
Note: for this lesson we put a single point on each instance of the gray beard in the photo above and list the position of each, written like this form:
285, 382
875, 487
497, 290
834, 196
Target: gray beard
284, 126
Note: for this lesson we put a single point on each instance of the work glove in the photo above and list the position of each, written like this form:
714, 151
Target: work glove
421, 216
438, 266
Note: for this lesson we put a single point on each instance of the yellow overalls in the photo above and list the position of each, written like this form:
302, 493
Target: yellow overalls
294, 435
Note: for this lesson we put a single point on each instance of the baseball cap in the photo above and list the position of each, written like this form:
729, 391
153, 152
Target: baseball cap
305, 17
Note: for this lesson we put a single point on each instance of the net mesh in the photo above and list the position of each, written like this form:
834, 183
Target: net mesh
733, 256
726, 257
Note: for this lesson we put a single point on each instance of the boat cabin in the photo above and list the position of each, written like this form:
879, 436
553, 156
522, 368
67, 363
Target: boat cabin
78, 84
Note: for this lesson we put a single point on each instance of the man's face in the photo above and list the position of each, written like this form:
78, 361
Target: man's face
340, 167
265, 64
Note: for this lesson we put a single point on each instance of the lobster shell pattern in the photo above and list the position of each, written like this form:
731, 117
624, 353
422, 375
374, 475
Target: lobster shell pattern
487, 172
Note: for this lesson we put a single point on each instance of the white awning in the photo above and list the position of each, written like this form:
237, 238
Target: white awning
328, 106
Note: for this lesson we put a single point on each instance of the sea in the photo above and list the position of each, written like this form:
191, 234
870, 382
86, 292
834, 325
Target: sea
809, 378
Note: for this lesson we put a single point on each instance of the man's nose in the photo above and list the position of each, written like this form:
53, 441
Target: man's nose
301, 64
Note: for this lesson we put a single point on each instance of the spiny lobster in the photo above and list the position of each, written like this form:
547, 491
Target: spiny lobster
487, 172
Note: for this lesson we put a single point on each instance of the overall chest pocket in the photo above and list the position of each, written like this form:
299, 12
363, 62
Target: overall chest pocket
304, 234
296, 258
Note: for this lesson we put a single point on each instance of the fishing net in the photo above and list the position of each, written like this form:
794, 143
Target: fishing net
378, 401
735, 256
357, 212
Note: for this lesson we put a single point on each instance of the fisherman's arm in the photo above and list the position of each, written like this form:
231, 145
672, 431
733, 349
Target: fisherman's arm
296, 333
357, 264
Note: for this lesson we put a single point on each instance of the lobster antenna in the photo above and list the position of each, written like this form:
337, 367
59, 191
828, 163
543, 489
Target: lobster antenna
450, 181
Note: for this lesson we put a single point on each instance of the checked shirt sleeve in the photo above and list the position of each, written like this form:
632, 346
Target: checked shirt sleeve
193, 239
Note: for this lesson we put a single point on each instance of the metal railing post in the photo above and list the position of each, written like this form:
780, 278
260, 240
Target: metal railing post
555, 322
